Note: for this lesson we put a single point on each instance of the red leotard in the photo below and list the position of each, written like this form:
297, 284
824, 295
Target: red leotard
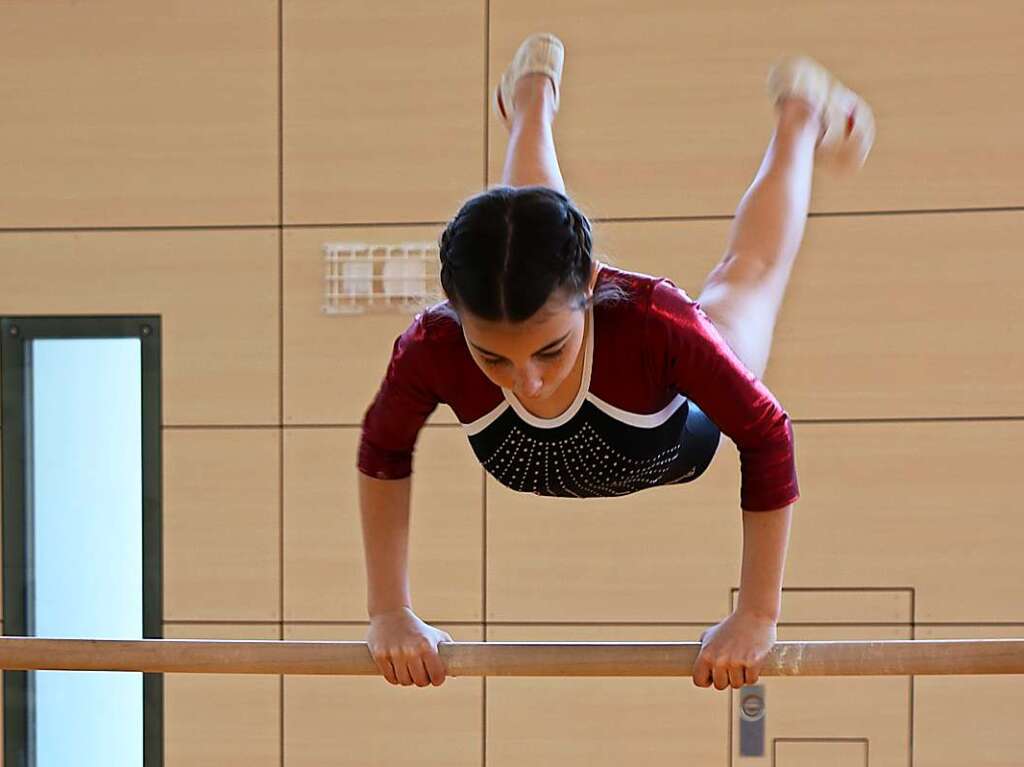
659, 381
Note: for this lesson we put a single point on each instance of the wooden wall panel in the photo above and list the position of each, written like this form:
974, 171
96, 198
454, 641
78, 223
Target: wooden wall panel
124, 113
603, 720
222, 499
216, 291
664, 110
838, 753
325, 568
214, 720
383, 120
925, 505
967, 719
343, 721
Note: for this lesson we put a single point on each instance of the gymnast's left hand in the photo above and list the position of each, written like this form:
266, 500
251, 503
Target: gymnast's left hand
733, 651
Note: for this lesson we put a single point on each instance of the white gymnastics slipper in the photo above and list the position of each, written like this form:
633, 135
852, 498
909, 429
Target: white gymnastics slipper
848, 121
541, 53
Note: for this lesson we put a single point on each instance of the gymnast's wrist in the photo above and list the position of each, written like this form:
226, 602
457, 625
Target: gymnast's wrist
390, 610
757, 612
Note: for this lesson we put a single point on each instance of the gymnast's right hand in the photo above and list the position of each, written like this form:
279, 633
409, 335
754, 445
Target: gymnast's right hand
405, 648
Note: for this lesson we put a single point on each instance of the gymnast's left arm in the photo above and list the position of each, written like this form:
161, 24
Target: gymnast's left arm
686, 349
733, 651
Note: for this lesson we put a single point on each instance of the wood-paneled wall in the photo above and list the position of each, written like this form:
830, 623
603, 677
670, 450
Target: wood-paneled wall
190, 159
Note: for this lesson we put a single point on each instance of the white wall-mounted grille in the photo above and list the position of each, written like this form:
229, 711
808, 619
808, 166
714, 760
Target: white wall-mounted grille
360, 277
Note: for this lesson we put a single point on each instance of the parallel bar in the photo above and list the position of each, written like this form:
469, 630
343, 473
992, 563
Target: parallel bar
195, 656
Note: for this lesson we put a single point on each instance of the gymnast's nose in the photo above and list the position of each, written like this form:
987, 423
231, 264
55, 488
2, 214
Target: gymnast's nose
529, 382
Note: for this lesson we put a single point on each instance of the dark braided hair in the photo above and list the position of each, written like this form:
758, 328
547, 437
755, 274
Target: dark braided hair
510, 248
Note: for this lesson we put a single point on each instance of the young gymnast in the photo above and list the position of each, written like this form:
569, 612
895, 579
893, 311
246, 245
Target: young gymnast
573, 378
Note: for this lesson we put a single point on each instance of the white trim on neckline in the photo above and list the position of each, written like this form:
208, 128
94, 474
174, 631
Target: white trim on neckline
639, 420
481, 423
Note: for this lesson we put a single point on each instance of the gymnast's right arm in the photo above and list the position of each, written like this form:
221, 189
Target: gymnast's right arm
403, 647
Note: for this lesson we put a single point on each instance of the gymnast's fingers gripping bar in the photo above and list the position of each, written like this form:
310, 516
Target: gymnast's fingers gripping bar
195, 656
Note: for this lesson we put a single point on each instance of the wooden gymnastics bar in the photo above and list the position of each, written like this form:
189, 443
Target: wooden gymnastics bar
195, 656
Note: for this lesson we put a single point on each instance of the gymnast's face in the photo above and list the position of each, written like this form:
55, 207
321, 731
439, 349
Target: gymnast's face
534, 357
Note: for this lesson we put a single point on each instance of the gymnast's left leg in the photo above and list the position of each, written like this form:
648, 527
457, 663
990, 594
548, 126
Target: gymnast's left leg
743, 293
818, 117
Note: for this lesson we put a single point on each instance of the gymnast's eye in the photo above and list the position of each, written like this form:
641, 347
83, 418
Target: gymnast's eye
495, 361
552, 355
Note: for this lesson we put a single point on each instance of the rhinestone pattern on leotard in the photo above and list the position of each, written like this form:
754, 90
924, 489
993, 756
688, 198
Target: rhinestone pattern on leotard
594, 454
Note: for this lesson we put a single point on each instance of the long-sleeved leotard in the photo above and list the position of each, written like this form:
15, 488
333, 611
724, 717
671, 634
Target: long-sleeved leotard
659, 382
